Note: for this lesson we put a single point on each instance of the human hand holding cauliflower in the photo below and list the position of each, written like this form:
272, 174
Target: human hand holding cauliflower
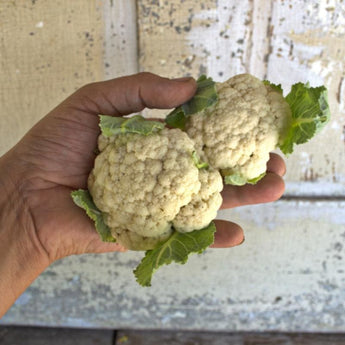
151, 191
39, 221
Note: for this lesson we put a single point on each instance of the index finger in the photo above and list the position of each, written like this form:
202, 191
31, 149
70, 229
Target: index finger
269, 189
126, 95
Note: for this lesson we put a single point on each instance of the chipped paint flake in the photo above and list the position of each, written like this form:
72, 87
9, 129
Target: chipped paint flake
39, 25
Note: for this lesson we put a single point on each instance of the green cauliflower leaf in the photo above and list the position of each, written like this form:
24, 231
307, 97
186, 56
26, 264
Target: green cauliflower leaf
111, 125
205, 96
176, 248
83, 199
310, 112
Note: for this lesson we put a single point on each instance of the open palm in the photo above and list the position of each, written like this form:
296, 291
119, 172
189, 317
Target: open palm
57, 155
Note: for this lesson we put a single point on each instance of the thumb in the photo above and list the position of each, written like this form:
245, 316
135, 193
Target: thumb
125, 95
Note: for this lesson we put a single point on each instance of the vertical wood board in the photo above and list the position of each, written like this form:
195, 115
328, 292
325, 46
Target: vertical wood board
46, 52
120, 38
284, 41
307, 43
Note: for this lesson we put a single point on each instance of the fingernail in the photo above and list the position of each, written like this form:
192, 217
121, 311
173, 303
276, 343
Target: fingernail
183, 79
242, 241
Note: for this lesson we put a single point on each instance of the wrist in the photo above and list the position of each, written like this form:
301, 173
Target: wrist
22, 257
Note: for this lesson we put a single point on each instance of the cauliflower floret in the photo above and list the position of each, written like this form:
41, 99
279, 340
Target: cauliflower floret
238, 132
204, 205
132, 240
141, 183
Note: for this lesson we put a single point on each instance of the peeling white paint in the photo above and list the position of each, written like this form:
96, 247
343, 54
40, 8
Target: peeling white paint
39, 25
287, 276
120, 41
218, 44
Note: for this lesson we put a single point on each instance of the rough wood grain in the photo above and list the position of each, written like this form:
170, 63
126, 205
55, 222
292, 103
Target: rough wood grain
46, 52
287, 276
216, 338
307, 42
120, 38
286, 42
54, 336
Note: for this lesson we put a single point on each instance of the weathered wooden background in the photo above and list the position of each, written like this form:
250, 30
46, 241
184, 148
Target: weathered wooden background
290, 272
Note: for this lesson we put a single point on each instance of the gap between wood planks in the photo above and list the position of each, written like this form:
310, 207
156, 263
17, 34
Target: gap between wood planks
13, 335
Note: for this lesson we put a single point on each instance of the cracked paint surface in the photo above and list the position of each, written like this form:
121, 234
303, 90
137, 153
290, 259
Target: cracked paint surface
288, 275
283, 41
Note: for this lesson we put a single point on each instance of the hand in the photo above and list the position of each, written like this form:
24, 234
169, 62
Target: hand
269, 189
56, 156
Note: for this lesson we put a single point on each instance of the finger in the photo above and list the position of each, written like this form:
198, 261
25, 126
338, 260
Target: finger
276, 164
85, 237
95, 245
228, 234
126, 95
269, 189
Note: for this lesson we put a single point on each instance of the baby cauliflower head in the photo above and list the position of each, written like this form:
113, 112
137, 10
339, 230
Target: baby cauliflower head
158, 189
204, 205
237, 133
148, 185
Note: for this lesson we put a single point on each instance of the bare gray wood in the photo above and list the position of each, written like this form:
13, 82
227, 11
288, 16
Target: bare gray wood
288, 275
54, 336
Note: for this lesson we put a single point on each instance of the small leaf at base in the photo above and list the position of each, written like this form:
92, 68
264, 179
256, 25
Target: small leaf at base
239, 180
176, 248
111, 125
198, 163
83, 199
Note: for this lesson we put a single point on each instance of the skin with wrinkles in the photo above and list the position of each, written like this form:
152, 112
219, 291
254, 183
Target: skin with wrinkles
237, 134
144, 185
38, 220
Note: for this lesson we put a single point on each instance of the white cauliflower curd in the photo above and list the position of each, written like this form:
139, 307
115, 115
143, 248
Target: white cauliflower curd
148, 185
158, 189
237, 133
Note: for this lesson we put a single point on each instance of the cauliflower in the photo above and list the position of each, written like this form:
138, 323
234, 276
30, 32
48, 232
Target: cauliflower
236, 124
204, 205
158, 189
238, 132
148, 185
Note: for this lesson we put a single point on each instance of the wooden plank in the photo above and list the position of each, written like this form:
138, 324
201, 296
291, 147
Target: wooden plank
287, 276
189, 38
307, 43
120, 38
179, 38
46, 52
54, 336
285, 42
134, 337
